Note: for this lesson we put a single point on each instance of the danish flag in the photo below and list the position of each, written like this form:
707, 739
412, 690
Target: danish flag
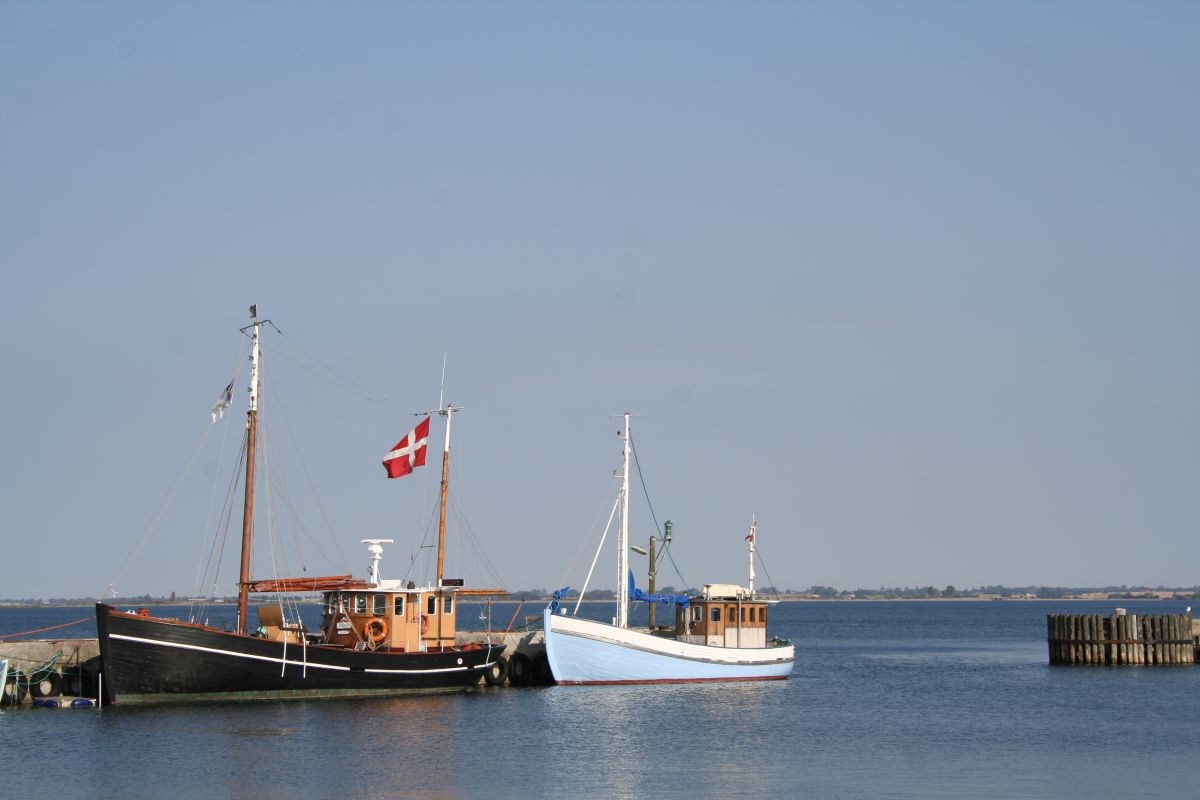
409, 452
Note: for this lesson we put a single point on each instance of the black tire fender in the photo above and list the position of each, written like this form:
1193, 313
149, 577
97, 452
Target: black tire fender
541, 670
14, 690
497, 673
520, 669
49, 685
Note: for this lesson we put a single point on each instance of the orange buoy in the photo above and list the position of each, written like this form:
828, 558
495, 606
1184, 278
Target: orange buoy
375, 631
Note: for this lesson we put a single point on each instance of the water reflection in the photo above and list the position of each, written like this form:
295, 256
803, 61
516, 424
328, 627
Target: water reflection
899, 701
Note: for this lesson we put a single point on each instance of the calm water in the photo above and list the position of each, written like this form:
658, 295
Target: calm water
889, 700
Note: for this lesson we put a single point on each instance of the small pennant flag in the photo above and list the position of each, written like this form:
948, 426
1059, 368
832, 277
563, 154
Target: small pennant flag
218, 409
409, 452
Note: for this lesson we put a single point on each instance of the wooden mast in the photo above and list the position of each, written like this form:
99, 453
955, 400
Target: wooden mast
446, 411
441, 547
248, 505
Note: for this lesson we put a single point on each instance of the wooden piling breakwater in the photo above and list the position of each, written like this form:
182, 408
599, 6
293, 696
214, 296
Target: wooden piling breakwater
1120, 639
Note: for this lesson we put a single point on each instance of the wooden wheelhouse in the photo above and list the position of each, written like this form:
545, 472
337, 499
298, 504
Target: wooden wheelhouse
724, 615
411, 620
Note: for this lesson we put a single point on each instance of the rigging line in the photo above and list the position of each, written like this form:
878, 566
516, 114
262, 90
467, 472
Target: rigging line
607, 527
468, 535
274, 476
221, 533
763, 564
342, 380
642, 478
609, 499
657, 527
475, 546
687, 586
308, 478
421, 547
280, 506
212, 499
164, 504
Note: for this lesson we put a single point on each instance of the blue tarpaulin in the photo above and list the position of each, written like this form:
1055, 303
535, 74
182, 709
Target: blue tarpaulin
663, 599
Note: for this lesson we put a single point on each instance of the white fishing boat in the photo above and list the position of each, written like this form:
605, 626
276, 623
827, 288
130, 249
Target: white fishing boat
720, 634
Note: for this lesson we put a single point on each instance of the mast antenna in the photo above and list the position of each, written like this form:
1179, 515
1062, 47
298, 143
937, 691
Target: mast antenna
442, 388
750, 539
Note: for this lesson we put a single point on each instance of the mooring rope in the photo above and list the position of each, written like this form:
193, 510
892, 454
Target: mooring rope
42, 630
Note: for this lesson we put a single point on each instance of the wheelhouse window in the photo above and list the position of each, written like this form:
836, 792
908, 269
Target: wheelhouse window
448, 604
716, 614
360, 604
399, 607
431, 606
697, 613
379, 604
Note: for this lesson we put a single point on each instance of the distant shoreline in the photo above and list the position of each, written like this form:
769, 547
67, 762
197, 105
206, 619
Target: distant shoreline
1181, 597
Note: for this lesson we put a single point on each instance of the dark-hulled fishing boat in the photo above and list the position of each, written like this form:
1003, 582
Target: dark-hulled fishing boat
376, 636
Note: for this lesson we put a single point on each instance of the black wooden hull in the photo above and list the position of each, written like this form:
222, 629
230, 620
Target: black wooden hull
146, 659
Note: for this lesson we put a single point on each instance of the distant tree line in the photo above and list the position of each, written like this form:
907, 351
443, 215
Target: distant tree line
816, 591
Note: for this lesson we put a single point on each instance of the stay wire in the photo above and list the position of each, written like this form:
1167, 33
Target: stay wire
212, 499
337, 378
657, 527
156, 518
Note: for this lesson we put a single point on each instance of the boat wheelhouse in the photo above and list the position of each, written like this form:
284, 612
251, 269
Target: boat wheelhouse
724, 615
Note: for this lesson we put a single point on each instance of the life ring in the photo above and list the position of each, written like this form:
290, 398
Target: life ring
143, 612
424, 624
375, 631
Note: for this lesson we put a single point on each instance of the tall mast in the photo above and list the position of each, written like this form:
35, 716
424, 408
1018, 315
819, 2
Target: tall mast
251, 441
446, 412
750, 539
622, 620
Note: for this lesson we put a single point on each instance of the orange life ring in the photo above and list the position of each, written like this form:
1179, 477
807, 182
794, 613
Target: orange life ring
424, 623
143, 612
375, 631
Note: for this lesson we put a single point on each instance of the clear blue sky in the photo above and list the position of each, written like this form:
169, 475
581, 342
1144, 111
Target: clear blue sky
918, 284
